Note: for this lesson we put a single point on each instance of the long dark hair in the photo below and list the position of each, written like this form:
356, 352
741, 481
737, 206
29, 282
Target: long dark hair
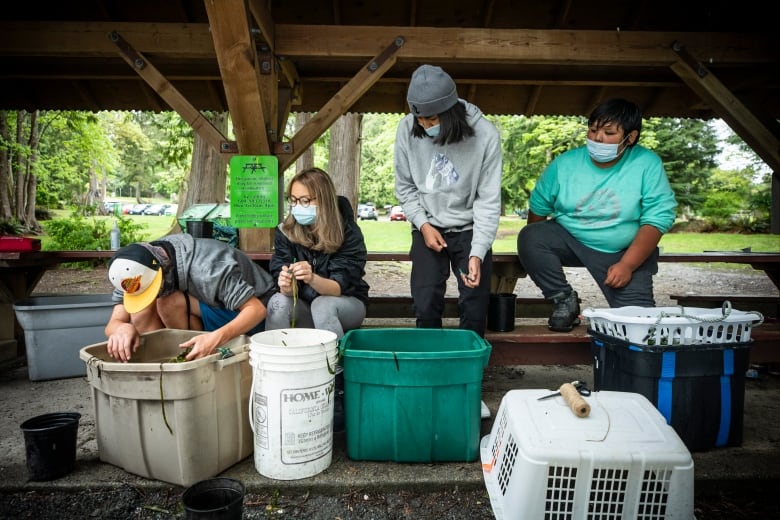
454, 126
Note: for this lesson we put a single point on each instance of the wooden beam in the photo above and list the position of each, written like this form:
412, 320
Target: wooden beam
85, 39
238, 63
340, 103
265, 22
168, 92
267, 35
236, 56
749, 127
520, 45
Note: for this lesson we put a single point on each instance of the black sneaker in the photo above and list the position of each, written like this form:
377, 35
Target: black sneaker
566, 312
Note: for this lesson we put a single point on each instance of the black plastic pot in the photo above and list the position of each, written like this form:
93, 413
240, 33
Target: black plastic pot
214, 499
501, 312
200, 228
50, 444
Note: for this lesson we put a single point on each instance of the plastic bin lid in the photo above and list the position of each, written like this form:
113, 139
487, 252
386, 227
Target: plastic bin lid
197, 212
222, 211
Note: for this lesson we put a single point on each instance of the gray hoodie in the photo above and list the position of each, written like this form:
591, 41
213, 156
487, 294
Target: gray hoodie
452, 186
212, 271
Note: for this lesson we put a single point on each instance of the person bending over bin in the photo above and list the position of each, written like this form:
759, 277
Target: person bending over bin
181, 282
609, 203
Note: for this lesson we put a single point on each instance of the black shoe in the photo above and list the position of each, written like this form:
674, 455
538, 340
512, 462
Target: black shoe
566, 312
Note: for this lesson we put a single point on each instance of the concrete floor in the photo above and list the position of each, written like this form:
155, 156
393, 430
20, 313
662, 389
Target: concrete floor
756, 460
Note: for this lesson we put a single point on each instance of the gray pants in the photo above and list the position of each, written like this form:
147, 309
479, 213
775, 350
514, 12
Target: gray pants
337, 314
545, 247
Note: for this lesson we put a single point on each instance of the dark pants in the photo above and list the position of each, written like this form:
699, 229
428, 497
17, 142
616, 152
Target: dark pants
430, 271
545, 247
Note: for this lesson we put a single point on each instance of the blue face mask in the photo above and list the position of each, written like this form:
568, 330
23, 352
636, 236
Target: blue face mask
433, 131
304, 216
603, 152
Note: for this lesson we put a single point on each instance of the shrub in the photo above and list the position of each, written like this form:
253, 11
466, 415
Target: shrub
78, 232
11, 227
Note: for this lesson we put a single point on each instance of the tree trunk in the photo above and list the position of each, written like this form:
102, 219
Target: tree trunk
344, 152
306, 159
207, 179
18, 166
31, 187
93, 193
6, 185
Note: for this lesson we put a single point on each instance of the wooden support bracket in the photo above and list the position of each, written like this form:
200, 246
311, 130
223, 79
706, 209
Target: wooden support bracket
727, 106
340, 103
173, 97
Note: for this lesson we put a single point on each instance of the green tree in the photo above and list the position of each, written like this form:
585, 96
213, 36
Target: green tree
173, 142
135, 152
529, 144
688, 148
377, 175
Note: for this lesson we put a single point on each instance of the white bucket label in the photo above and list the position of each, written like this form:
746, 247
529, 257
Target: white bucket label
305, 422
261, 421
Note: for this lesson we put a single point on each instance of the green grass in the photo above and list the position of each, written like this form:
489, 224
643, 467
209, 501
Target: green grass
395, 236
383, 235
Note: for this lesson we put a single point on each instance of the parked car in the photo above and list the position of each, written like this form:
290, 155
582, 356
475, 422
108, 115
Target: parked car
171, 210
156, 209
367, 211
127, 207
138, 209
397, 213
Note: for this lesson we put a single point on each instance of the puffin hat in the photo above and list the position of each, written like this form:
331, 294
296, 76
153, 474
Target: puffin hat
136, 272
431, 91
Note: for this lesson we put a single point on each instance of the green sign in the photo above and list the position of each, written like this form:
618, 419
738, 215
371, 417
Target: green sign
254, 191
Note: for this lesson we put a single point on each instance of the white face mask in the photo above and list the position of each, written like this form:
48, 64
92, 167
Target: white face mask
603, 152
304, 216
433, 131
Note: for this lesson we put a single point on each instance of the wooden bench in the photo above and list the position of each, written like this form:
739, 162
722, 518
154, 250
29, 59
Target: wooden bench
401, 307
534, 344
529, 343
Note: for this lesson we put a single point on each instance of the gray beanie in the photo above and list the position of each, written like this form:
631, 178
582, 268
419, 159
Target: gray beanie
431, 91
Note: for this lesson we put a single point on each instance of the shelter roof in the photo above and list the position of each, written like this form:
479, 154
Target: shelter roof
555, 57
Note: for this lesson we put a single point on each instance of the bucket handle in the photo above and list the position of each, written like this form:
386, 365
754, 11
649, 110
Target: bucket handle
251, 413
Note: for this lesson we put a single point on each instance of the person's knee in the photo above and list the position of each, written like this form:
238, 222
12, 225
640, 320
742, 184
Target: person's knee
279, 303
279, 311
147, 320
171, 310
324, 306
528, 238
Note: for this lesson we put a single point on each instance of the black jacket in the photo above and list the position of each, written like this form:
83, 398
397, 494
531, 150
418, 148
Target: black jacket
346, 266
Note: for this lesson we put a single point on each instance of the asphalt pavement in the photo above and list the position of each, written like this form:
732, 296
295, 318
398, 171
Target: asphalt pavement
757, 460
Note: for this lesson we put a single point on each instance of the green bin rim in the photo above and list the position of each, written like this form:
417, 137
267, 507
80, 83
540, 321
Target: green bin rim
483, 350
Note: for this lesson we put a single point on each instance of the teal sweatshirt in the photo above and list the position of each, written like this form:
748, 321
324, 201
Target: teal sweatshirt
604, 208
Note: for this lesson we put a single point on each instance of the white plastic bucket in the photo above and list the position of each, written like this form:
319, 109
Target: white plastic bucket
291, 402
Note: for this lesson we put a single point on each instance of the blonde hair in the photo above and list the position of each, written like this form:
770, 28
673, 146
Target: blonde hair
327, 232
